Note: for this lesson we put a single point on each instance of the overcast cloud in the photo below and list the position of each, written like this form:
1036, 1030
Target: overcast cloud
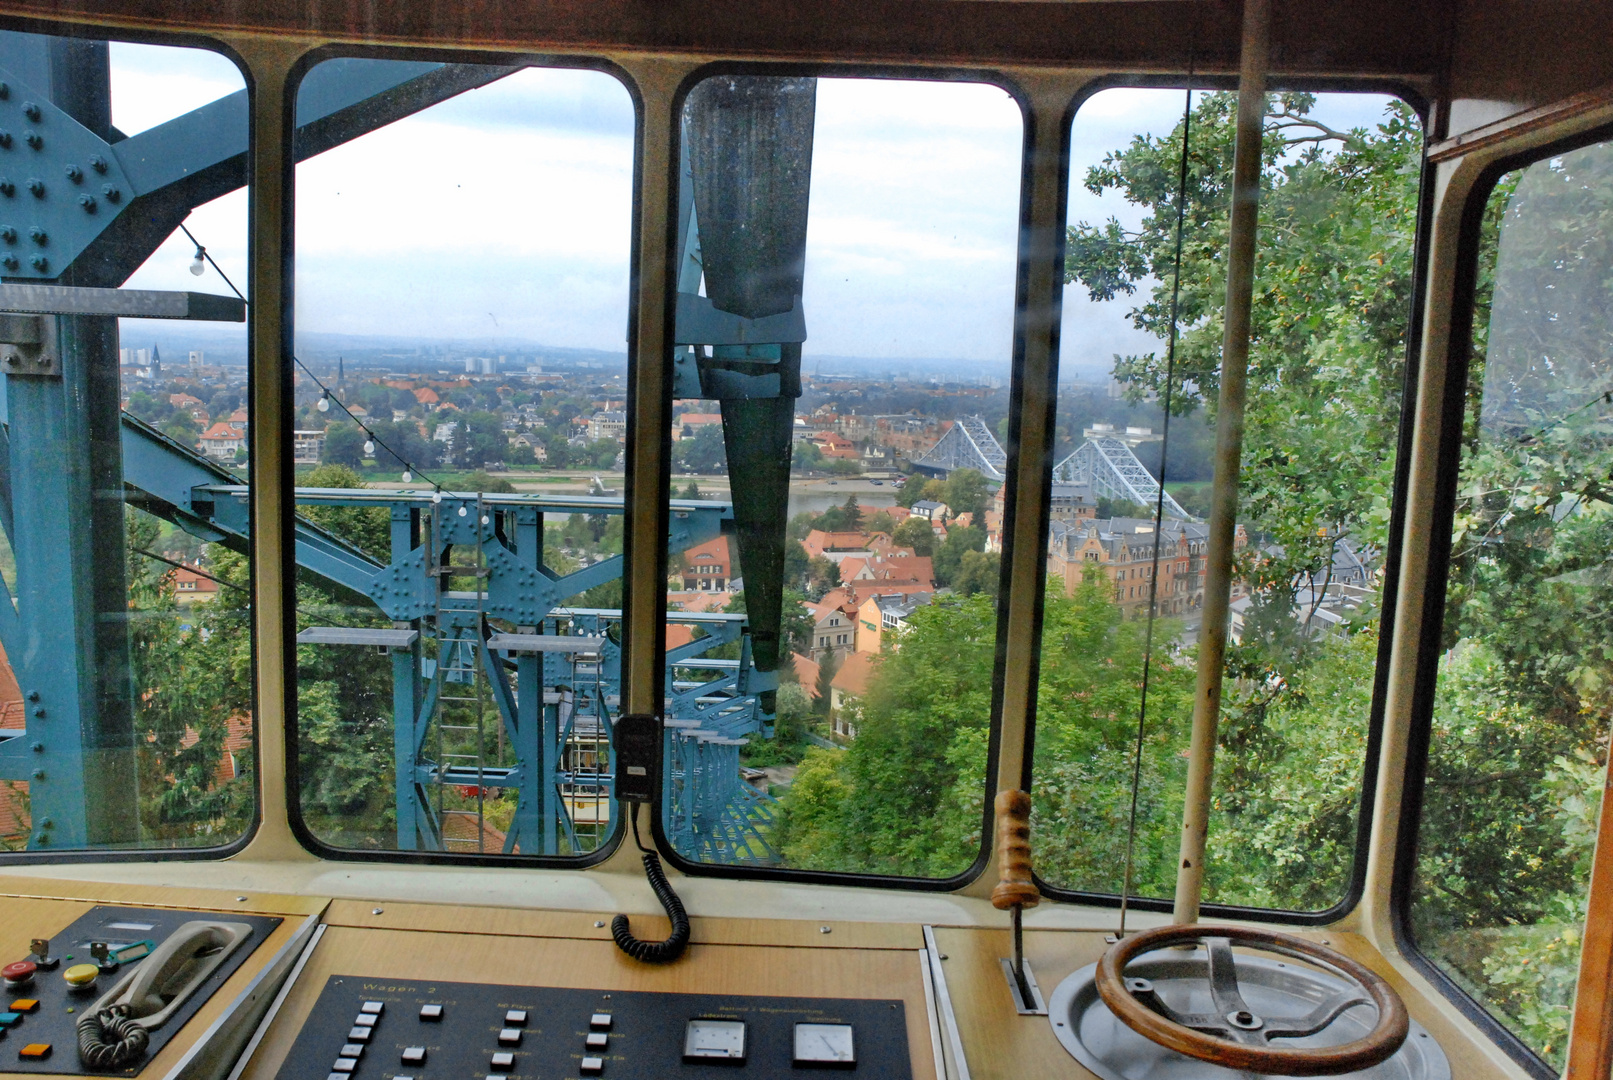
504, 213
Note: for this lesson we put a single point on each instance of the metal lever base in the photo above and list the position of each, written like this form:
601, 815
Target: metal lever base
1036, 1006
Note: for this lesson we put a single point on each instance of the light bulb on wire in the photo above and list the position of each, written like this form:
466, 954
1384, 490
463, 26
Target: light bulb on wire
369, 447
324, 401
436, 496
198, 265
407, 476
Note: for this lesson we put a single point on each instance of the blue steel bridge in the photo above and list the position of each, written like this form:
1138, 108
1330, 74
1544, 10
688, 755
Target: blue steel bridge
484, 652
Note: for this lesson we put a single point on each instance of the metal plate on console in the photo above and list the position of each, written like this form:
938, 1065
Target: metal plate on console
1092, 1035
644, 1036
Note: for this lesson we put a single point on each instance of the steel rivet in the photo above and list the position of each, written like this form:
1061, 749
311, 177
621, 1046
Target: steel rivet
9, 235
7, 188
5, 139
39, 774
75, 174
5, 91
40, 236
88, 203
33, 695
98, 163
39, 713
36, 187
8, 261
112, 194
34, 140
40, 263
38, 748
30, 110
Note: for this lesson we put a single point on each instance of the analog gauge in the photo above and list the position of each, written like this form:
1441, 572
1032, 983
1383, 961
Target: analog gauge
830, 1046
714, 1040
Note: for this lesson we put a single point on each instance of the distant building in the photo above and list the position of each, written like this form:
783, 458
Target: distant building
1131, 436
931, 511
1123, 550
445, 431
307, 447
607, 425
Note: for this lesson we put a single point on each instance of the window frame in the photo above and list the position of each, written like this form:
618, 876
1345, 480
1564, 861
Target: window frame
1356, 886
204, 42
1016, 392
1419, 743
304, 64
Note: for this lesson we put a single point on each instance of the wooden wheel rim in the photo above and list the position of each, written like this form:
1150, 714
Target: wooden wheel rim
1379, 1044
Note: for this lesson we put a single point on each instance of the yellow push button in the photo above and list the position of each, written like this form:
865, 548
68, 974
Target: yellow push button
80, 976
35, 1052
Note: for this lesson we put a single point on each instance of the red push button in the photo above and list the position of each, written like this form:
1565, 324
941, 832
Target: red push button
20, 973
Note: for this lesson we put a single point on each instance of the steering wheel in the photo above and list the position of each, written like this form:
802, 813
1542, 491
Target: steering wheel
1234, 1035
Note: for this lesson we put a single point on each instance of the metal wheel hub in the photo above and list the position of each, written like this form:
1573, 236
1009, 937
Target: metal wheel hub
1277, 994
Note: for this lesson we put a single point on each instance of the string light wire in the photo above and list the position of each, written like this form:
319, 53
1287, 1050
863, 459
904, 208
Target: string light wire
408, 466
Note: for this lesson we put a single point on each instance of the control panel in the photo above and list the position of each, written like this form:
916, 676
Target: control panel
161, 965
392, 1029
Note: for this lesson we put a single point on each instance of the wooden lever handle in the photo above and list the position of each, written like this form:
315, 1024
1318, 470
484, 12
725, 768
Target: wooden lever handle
1014, 885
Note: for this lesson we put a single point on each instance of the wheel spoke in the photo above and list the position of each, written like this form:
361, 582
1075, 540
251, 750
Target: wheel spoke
1224, 989
1284, 1027
1208, 1023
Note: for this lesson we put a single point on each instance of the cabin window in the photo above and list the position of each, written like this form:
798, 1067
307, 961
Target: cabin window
845, 322
462, 235
1338, 221
126, 697
1518, 743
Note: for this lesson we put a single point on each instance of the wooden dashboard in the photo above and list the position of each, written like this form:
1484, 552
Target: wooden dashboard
389, 943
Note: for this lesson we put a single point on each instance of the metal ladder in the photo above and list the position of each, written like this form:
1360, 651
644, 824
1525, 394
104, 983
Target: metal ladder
459, 649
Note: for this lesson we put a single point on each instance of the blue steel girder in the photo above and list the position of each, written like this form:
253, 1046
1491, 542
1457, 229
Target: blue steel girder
116, 201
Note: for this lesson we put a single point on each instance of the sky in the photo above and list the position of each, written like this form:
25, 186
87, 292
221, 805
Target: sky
504, 214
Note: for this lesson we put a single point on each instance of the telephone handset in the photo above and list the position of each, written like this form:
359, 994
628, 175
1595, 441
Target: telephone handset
113, 1032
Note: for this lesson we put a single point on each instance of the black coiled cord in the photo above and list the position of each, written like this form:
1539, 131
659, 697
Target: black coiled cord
654, 952
110, 1038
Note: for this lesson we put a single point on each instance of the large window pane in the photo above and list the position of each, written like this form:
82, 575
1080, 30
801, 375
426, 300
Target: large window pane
1521, 713
845, 323
125, 682
461, 318
1331, 306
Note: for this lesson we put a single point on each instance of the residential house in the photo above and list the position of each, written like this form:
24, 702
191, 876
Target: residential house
849, 684
883, 616
880, 572
931, 511
708, 567
685, 426
193, 583
221, 441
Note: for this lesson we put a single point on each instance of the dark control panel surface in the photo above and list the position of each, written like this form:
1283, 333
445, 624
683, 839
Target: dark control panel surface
398, 1029
39, 1012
